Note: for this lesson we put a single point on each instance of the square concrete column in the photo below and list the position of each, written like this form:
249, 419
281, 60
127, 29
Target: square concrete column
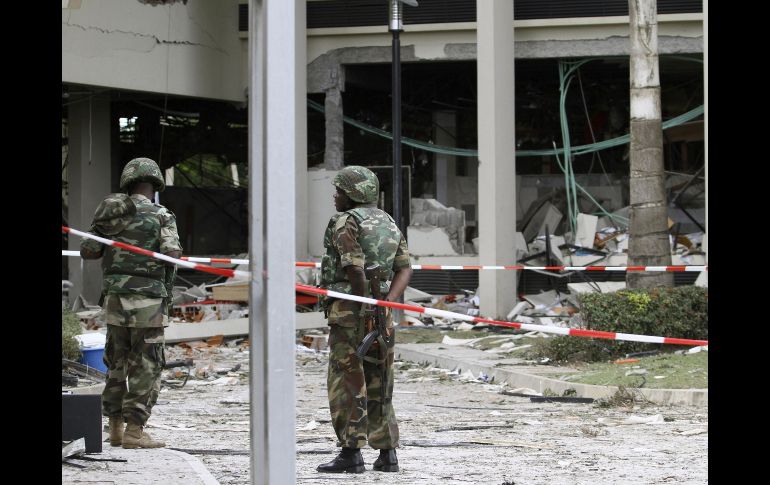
497, 167
444, 133
89, 182
334, 153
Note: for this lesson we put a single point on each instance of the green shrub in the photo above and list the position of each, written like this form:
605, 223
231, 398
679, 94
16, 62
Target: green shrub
70, 326
680, 312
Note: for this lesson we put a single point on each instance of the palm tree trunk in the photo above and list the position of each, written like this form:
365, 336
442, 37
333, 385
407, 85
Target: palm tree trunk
649, 237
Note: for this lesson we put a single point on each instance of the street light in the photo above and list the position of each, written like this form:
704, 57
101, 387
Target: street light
395, 26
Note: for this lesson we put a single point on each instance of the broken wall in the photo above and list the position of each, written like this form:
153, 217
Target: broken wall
436, 230
191, 49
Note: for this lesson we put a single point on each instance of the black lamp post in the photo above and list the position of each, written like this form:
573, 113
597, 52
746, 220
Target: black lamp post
395, 25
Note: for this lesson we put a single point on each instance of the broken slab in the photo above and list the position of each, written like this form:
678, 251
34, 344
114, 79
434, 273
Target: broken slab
413, 294
430, 241
519, 308
231, 291
430, 213
586, 230
702, 280
604, 287
546, 215
543, 300
234, 327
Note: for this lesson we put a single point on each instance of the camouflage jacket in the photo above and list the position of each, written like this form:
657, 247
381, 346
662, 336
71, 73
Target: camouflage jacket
361, 236
153, 228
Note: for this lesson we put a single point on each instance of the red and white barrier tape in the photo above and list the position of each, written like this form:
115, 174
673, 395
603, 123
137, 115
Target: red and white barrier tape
310, 264
567, 268
696, 268
128, 247
215, 260
575, 332
428, 311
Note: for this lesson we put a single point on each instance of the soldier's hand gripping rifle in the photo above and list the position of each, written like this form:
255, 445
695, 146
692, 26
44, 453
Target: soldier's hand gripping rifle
380, 332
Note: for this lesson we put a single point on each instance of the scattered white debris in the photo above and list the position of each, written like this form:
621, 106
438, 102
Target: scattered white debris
654, 419
695, 350
313, 424
636, 372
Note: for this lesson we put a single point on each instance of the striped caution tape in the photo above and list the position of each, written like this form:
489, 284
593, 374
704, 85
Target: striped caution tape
428, 311
128, 247
696, 268
518, 267
193, 259
310, 264
575, 332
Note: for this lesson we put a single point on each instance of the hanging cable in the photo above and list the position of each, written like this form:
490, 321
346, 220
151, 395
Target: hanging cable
593, 135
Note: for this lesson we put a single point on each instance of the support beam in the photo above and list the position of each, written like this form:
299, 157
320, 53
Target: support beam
89, 182
334, 156
273, 50
497, 169
445, 133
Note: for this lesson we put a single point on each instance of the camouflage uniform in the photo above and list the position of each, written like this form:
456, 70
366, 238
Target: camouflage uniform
360, 410
136, 292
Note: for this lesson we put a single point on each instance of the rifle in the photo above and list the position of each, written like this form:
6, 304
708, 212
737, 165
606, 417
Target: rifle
380, 333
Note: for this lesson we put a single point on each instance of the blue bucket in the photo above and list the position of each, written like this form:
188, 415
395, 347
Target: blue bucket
92, 357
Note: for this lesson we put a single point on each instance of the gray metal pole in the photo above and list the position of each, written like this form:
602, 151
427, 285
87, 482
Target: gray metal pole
272, 156
396, 16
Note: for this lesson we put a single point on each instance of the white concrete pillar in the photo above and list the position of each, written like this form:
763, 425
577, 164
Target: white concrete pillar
300, 140
274, 33
497, 169
444, 133
89, 181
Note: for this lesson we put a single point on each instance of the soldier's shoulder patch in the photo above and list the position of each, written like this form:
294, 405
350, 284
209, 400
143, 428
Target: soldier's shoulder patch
342, 220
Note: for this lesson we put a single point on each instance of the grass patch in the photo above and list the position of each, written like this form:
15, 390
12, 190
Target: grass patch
70, 326
679, 371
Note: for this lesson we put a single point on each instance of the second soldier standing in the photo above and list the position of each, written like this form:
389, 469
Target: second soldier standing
360, 404
137, 293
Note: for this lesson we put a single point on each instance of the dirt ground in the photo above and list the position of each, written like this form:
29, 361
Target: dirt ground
452, 431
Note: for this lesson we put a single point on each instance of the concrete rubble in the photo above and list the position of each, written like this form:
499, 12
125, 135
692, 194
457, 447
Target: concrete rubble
435, 230
490, 429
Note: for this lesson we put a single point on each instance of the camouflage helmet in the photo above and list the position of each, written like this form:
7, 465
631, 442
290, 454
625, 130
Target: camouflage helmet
113, 214
359, 183
142, 170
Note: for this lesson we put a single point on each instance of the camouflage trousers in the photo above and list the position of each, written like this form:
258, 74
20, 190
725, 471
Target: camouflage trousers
134, 357
358, 411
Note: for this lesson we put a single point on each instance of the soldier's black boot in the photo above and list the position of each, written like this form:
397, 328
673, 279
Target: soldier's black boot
387, 461
348, 461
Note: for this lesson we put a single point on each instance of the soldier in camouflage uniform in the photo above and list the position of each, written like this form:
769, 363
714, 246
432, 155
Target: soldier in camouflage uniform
136, 295
360, 235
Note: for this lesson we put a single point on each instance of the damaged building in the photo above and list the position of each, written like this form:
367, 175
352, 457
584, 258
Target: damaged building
175, 87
